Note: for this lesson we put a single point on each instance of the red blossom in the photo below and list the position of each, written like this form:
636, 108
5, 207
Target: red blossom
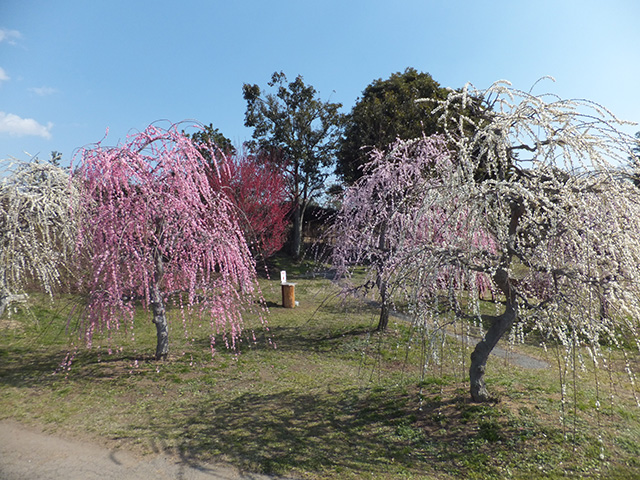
258, 190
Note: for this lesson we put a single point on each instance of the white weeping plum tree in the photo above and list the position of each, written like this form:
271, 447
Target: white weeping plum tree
522, 200
37, 228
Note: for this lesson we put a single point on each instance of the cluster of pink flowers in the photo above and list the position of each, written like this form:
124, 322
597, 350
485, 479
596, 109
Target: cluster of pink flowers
399, 218
151, 219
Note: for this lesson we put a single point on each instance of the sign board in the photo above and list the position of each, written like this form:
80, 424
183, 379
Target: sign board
283, 276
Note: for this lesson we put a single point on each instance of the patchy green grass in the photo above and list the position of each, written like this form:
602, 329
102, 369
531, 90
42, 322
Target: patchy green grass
318, 395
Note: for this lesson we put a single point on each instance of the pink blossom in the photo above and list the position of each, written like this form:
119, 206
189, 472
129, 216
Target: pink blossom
152, 221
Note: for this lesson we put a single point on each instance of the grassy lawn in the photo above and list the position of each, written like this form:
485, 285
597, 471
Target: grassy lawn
317, 396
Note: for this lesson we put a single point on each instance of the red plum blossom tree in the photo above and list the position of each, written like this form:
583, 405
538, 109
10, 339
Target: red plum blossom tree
259, 192
153, 226
256, 185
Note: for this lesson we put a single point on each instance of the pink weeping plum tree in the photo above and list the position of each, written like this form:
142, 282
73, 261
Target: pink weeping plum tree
154, 227
382, 215
522, 202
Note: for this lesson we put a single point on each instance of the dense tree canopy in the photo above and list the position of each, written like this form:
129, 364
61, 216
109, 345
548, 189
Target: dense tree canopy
548, 230
153, 227
298, 131
387, 111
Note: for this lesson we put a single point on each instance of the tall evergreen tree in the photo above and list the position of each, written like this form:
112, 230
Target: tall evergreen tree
302, 134
388, 110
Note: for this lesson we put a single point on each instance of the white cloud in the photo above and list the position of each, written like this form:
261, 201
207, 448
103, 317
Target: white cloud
9, 36
3, 75
43, 91
22, 127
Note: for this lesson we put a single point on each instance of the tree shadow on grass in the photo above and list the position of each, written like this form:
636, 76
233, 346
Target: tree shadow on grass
386, 430
24, 367
375, 431
292, 339
285, 432
363, 431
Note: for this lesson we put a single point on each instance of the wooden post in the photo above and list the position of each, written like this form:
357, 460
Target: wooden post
288, 295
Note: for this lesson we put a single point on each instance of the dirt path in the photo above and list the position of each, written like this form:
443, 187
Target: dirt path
28, 454
521, 359
516, 358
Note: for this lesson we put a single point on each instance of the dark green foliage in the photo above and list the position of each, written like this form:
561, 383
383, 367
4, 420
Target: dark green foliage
388, 110
56, 158
212, 136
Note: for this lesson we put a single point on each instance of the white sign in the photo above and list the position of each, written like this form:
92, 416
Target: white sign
283, 276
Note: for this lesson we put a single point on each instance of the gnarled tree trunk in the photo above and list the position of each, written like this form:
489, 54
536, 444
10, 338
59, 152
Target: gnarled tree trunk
160, 321
499, 324
480, 354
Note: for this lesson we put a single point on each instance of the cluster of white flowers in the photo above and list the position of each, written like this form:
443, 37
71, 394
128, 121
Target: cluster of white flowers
38, 228
528, 203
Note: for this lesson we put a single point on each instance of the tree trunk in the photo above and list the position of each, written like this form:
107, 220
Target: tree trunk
298, 223
480, 354
160, 321
157, 304
499, 326
501, 323
4, 301
297, 232
383, 322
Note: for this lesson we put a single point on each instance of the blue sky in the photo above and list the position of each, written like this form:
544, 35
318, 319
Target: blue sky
70, 69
